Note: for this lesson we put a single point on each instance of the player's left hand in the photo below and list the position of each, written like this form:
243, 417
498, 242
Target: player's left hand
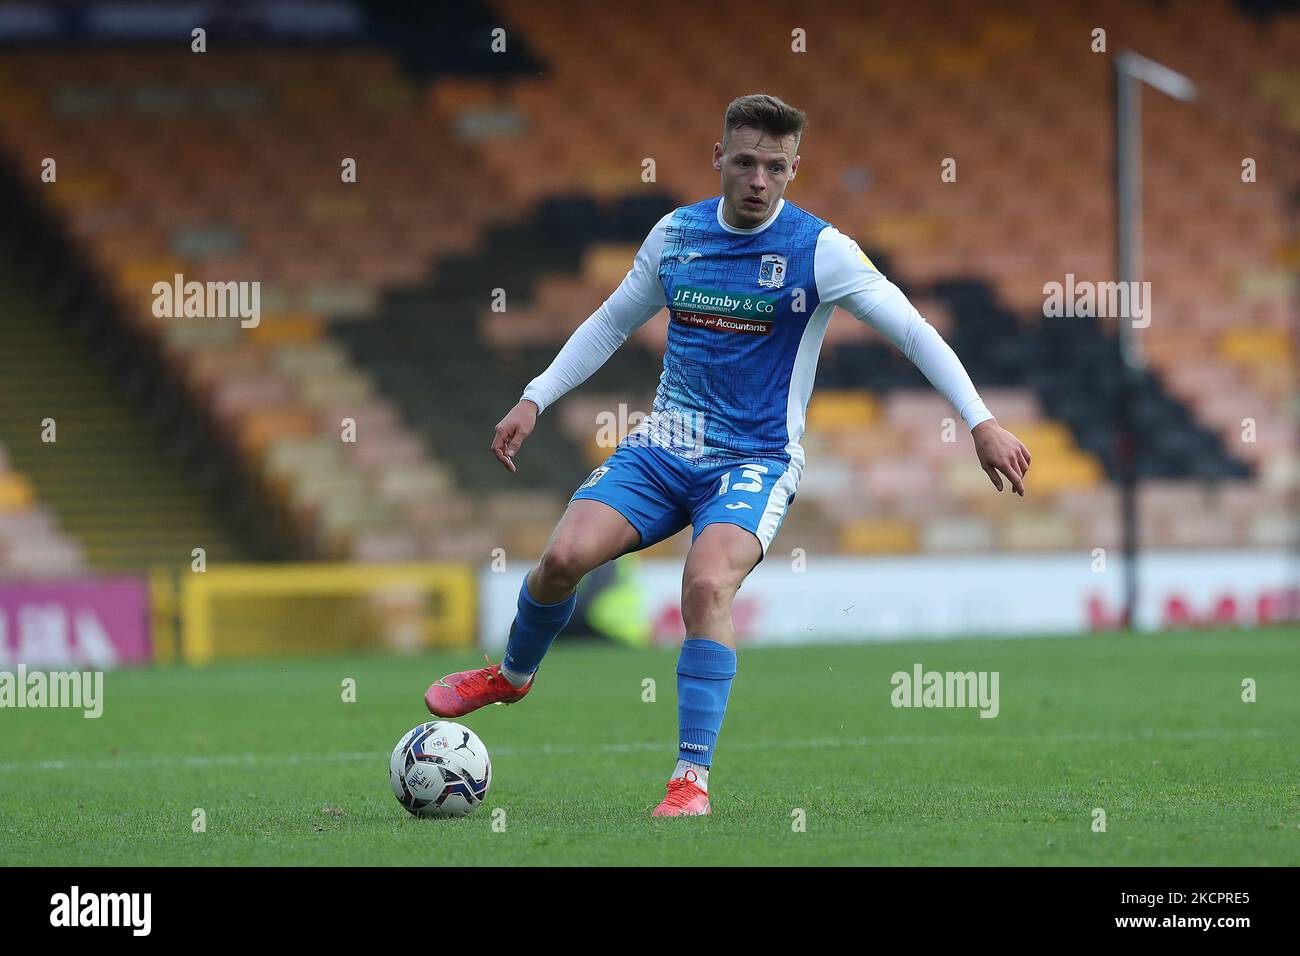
1001, 451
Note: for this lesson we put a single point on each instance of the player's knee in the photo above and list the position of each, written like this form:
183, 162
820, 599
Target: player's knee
704, 597
563, 564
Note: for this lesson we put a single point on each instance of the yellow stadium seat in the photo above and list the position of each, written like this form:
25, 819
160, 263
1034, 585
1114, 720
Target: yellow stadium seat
872, 536
280, 329
335, 210
1073, 470
885, 63
1255, 345
1007, 34
74, 190
610, 178
138, 276
1288, 254
905, 231
15, 492
607, 263
844, 410
959, 61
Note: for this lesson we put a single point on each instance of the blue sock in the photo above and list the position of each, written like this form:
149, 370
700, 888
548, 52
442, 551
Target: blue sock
533, 630
704, 673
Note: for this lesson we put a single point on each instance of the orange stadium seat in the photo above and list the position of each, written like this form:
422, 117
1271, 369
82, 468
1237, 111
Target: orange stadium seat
167, 166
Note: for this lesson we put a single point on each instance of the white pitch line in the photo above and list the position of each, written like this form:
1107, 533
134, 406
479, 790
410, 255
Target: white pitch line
547, 750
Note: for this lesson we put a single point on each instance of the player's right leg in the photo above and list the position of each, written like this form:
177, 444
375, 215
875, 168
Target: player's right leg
589, 534
632, 501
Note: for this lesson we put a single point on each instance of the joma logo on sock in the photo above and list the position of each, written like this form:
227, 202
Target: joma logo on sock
103, 909
208, 300
923, 688
697, 748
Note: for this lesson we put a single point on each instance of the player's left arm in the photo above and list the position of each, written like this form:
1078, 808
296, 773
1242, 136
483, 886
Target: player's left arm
846, 277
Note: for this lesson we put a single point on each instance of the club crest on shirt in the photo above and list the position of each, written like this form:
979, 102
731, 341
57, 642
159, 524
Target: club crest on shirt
594, 477
771, 271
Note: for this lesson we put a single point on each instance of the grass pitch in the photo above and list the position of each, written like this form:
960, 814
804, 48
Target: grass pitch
1150, 729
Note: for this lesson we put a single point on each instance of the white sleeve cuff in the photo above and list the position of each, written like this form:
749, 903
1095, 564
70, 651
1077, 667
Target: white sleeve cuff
974, 412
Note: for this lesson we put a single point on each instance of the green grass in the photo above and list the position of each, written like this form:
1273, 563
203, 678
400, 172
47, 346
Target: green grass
1151, 729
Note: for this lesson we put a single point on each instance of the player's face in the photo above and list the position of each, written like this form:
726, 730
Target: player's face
756, 167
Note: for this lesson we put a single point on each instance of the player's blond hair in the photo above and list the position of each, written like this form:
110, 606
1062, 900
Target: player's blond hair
764, 112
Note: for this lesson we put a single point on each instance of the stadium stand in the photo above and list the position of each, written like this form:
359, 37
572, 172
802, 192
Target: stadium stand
1039, 209
116, 490
30, 540
519, 173
274, 397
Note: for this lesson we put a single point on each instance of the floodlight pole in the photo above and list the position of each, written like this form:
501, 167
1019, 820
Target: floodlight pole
1130, 71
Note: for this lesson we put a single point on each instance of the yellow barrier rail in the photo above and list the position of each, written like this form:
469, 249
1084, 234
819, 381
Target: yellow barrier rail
254, 610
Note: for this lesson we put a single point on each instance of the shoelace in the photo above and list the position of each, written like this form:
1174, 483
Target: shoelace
477, 683
680, 792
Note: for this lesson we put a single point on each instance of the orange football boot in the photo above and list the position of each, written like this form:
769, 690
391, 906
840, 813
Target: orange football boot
685, 798
465, 692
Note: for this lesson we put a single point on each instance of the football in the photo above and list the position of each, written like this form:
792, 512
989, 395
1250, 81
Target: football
440, 769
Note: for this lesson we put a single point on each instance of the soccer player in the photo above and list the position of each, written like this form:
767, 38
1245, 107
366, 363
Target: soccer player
750, 282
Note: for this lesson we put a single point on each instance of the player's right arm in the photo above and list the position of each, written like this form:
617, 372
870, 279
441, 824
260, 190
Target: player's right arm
638, 298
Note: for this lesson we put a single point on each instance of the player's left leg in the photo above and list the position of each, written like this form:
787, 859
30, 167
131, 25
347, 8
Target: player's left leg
715, 567
736, 515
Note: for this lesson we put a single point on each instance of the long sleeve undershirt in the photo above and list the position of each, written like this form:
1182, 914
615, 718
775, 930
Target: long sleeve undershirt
638, 298
848, 278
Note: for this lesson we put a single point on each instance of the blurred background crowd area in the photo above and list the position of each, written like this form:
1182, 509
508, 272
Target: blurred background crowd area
525, 170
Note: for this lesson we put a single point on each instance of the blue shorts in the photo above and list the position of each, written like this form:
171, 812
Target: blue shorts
660, 493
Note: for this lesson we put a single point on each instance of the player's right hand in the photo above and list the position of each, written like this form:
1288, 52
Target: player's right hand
512, 430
